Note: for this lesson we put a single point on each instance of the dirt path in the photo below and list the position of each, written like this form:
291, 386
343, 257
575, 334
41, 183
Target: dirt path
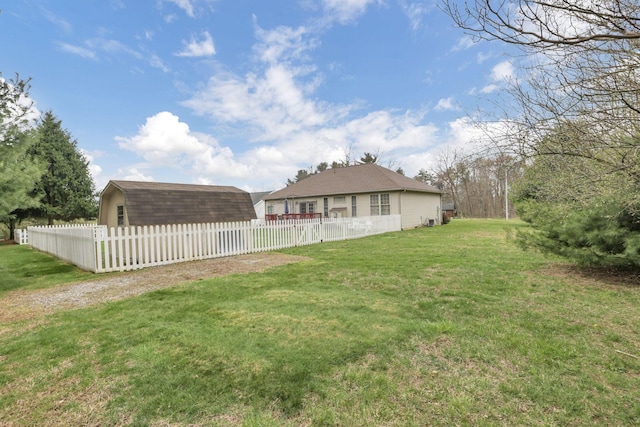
21, 305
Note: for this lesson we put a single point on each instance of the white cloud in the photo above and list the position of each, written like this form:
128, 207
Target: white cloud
94, 169
482, 57
77, 50
464, 43
61, 23
489, 88
445, 104
275, 105
185, 5
198, 48
503, 71
164, 141
113, 47
156, 62
415, 11
345, 11
283, 43
188, 6
500, 73
133, 174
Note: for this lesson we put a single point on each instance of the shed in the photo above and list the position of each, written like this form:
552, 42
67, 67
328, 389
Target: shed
127, 203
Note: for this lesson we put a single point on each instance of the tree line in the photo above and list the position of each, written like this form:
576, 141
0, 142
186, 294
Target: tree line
43, 175
347, 161
477, 186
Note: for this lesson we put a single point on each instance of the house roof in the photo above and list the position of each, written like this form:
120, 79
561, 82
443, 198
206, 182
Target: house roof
366, 178
258, 196
153, 203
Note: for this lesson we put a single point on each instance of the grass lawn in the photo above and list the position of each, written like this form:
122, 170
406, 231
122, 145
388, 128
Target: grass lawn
440, 326
23, 268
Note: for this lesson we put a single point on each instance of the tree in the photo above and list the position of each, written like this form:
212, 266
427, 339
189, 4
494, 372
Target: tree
18, 173
302, 174
577, 214
323, 166
576, 101
368, 158
14, 102
66, 189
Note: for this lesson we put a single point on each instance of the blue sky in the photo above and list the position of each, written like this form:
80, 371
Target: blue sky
246, 92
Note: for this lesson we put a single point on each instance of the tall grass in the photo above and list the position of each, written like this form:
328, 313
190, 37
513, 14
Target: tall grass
449, 325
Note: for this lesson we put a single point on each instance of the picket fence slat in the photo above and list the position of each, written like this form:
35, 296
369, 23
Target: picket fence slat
101, 249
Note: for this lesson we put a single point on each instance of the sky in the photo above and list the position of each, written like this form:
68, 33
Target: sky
247, 92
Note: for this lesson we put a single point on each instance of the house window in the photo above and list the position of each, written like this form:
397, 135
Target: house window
385, 205
326, 207
120, 210
270, 209
375, 204
354, 206
339, 200
380, 204
307, 207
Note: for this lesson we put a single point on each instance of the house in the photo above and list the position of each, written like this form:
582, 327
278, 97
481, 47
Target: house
358, 191
126, 203
258, 202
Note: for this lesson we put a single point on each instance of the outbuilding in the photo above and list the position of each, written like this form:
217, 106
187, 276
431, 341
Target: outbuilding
137, 203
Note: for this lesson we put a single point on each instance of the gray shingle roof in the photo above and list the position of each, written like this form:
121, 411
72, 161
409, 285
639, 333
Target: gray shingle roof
154, 203
367, 178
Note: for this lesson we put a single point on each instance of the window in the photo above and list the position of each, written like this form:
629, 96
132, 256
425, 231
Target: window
326, 207
307, 207
120, 209
385, 205
375, 204
339, 200
270, 209
380, 204
354, 206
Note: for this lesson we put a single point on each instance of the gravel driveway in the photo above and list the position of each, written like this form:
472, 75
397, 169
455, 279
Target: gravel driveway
21, 304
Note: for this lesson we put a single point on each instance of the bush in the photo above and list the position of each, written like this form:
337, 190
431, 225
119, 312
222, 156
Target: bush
602, 234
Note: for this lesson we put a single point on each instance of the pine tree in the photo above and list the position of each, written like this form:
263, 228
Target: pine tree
66, 189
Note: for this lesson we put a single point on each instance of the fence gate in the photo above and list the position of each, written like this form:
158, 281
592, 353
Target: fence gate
308, 234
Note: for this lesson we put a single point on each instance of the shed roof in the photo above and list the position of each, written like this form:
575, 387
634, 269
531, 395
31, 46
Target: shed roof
153, 203
366, 178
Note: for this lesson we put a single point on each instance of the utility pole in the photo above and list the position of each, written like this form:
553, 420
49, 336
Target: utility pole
506, 194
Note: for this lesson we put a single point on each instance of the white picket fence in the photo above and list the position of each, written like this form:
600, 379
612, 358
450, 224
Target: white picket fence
98, 249
21, 236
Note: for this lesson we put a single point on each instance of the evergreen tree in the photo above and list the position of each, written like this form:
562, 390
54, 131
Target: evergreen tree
580, 209
369, 158
66, 188
18, 173
18, 176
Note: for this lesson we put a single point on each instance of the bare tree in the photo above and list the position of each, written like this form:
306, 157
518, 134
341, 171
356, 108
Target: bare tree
581, 77
574, 110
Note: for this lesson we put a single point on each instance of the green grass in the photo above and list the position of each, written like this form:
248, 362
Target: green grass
24, 268
449, 325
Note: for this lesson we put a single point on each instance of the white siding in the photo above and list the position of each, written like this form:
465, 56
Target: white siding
416, 208
419, 208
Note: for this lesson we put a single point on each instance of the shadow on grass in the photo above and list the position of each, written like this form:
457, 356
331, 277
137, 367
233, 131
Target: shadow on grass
24, 268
